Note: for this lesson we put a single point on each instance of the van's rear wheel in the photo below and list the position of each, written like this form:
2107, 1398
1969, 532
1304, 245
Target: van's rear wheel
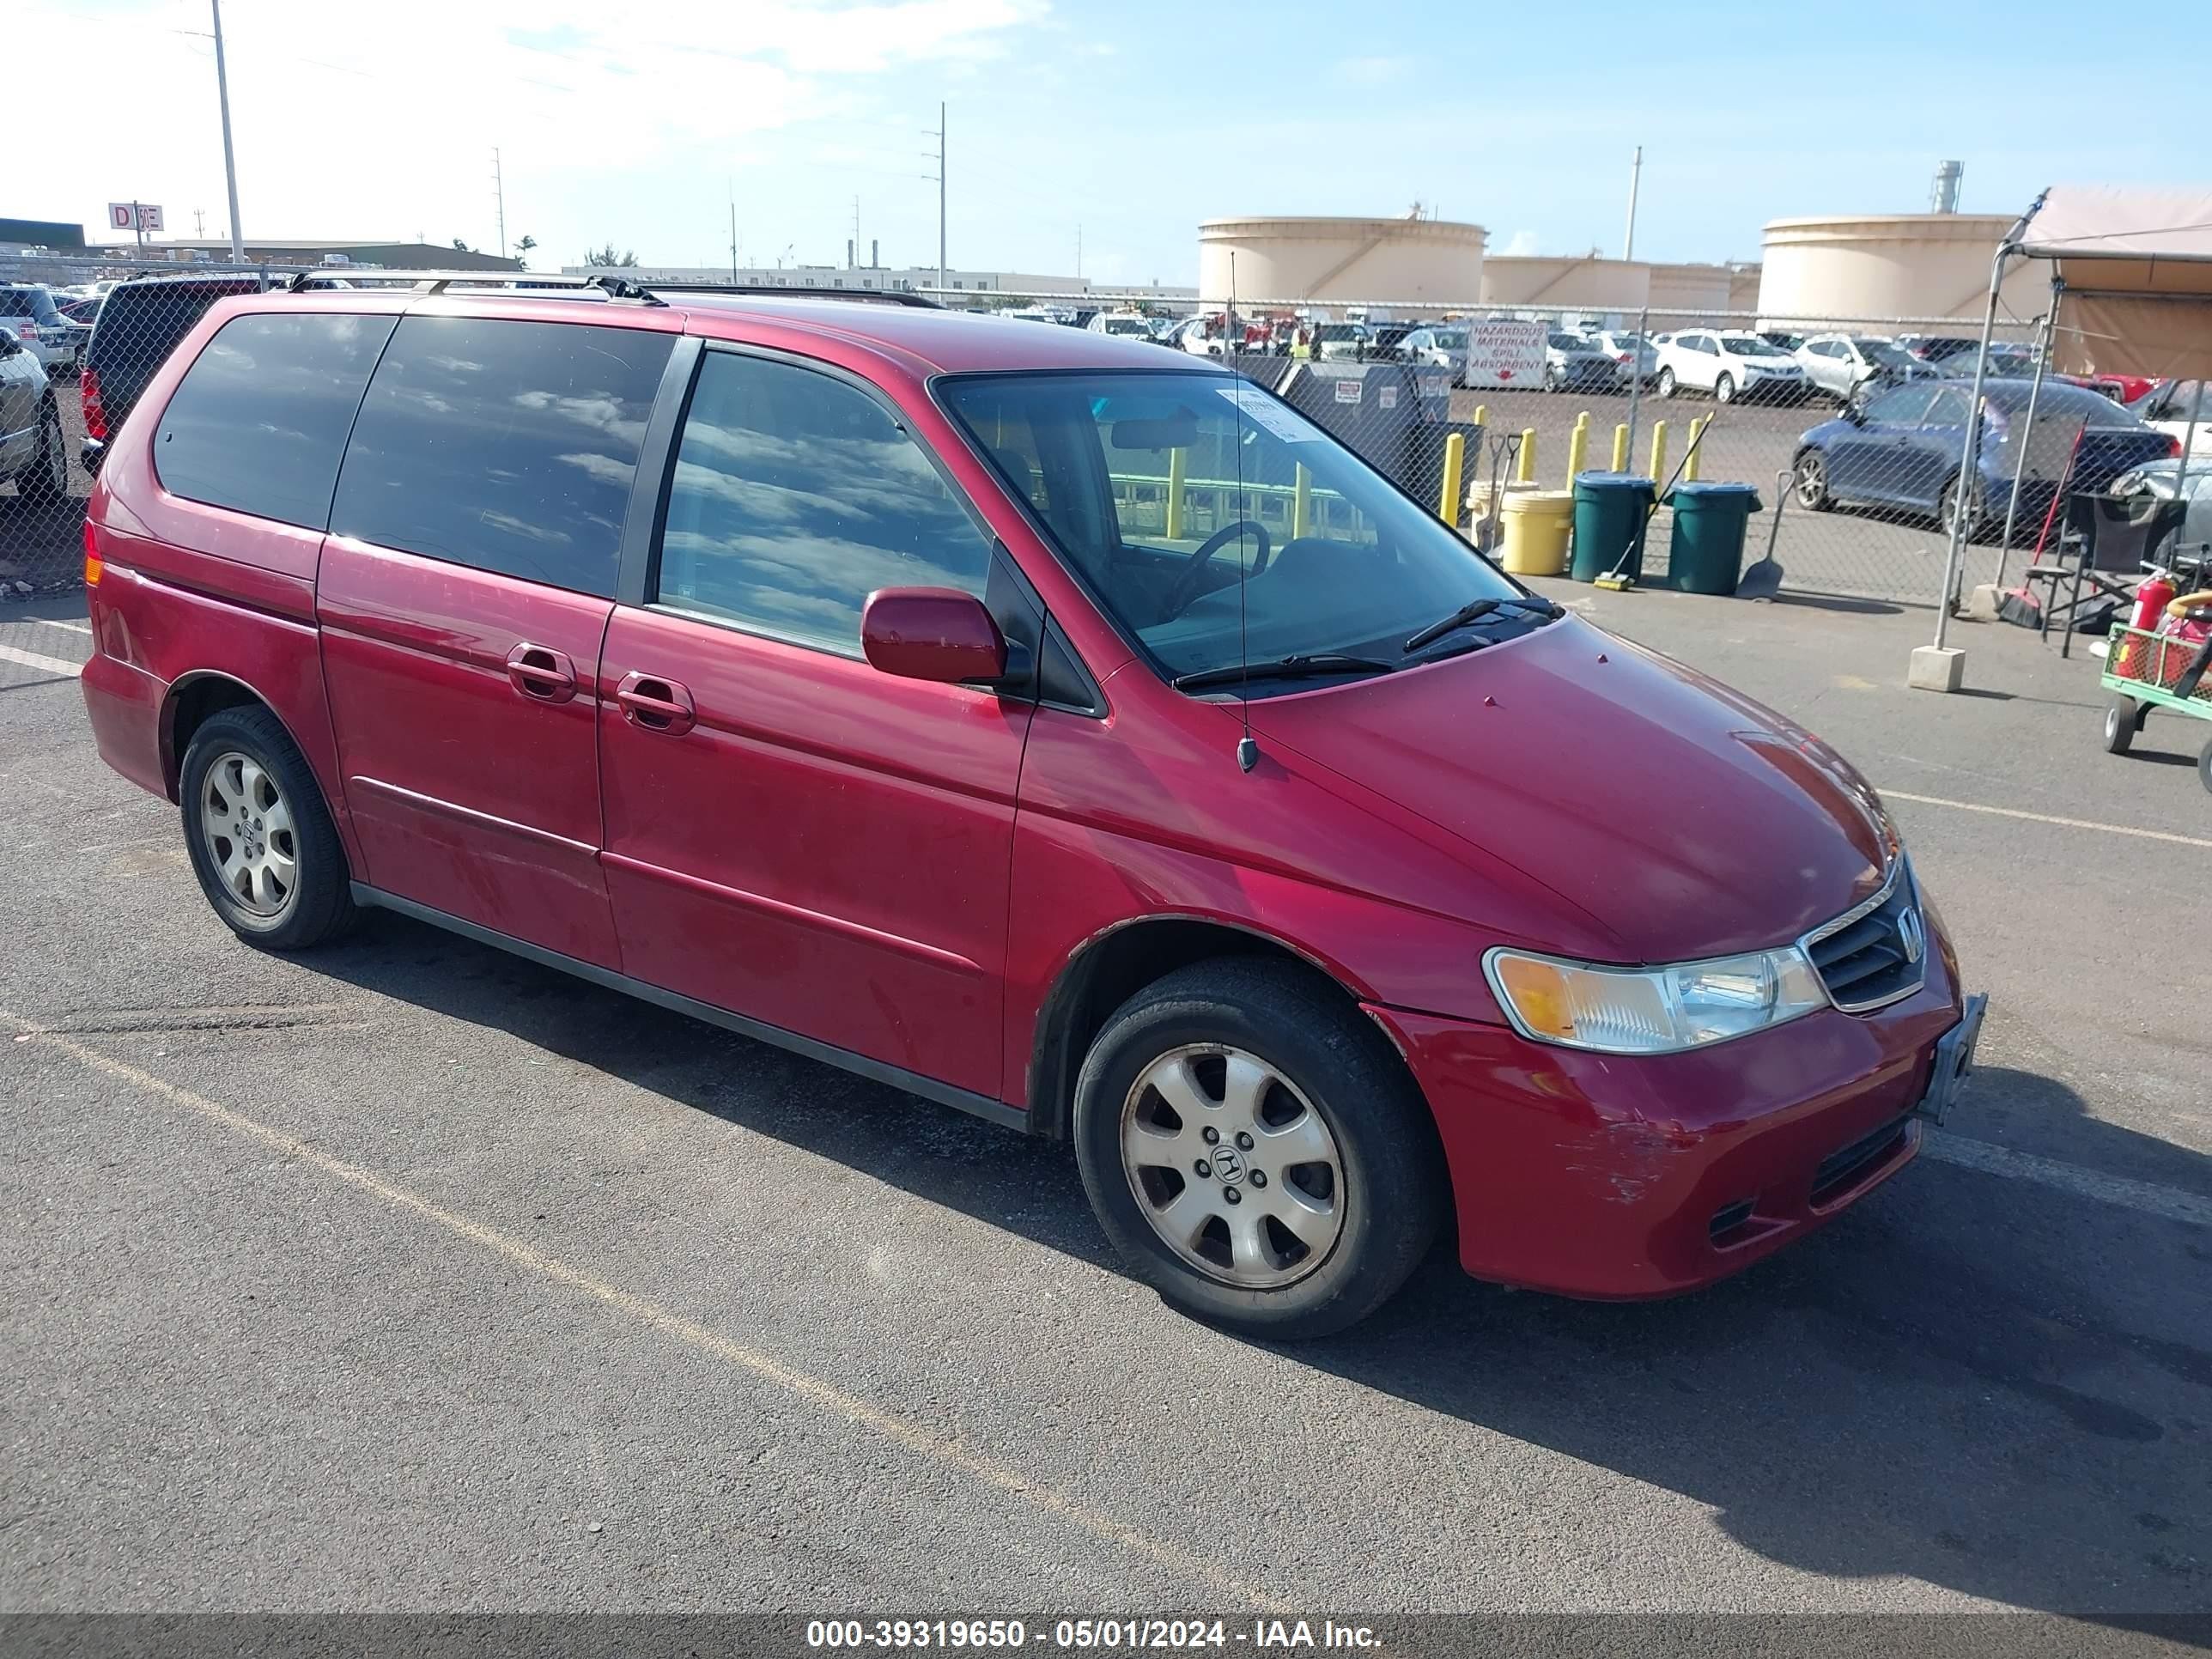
261, 841
1255, 1152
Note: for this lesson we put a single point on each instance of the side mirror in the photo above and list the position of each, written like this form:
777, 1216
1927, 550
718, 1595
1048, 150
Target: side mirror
938, 634
9, 345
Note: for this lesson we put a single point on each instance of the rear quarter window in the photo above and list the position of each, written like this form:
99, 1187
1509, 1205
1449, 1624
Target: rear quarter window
508, 446
259, 421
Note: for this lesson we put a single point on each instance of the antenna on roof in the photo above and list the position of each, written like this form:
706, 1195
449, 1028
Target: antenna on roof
1247, 750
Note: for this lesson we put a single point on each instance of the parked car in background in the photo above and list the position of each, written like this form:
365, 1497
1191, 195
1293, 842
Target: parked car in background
2120, 388
29, 312
1386, 341
1572, 363
1934, 348
1125, 325
497, 613
1199, 335
140, 324
1340, 342
2008, 361
1839, 364
1435, 346
2169, 406
1904, 447
33, 454
1730, 364
1782, 340
2155, 482
1633, 356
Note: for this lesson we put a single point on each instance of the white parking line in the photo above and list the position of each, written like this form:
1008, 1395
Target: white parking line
33, 659
55, 622
2144, 1196
2045, 817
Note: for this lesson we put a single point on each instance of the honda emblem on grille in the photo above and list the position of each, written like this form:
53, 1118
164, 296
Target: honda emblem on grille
1909, 931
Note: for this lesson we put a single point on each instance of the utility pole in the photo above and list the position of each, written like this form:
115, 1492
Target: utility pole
1635, 179
1079, 253
940, 199
229, 160
499, 195
853, 258
199, 224
730, 185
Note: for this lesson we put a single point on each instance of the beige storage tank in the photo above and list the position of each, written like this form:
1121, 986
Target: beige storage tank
1587, 283
1896, 265
1681, 293
1434, 261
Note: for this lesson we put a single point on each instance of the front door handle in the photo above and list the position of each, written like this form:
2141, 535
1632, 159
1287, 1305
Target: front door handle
652, 704
541, 673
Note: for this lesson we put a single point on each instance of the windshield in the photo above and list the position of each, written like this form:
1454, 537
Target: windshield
1340, 330
1569, 343
33, 302
1451, 339
1318, 553
1127, 325
1888, 355
1754, 347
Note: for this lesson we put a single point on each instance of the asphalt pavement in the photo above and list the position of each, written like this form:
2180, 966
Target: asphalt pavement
406, 1275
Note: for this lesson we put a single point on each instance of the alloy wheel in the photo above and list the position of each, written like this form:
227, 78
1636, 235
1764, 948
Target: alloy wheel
247, 826
1232, 1166
57, 448
1812, 481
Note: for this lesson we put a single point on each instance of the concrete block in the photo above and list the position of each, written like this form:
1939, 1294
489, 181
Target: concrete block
1982, 602
1937, 668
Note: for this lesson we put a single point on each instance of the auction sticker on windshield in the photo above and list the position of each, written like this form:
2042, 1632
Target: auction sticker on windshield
1262, 410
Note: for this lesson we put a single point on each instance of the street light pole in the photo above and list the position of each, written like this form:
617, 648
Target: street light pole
229, 159
940, 201
1635, 179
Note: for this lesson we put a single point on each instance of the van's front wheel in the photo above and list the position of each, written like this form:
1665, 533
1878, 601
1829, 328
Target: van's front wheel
1255, 1151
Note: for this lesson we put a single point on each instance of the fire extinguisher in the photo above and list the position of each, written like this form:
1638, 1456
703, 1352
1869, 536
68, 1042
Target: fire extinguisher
2151, 599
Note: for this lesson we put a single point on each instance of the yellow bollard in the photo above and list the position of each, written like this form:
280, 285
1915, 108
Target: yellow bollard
1577, 447
1658, 449
1525, 473
1482, 416
1455, 466
1620, 448
1690, 455
1301, 498
1174, 494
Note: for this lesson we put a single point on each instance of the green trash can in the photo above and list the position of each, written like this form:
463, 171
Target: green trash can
1612, 510
1706, 554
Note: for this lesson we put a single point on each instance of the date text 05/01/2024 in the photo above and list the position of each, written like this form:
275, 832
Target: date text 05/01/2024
1088, 1634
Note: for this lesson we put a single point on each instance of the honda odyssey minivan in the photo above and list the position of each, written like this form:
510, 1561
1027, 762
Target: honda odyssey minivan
1077, 737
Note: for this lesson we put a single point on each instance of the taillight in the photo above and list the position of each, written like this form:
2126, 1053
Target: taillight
2172, 445
95, 417
91, 571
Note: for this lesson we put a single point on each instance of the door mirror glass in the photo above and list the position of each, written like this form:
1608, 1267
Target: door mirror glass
938, 634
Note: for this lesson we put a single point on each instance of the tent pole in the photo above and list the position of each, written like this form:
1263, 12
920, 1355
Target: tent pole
1969, 465
2027, 427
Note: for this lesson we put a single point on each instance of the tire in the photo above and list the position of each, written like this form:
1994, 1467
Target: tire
1368, 1206
2121, 722
1551, 379
1724, 390
1666, 382
283, 886
48, 480
2205, 765
1809, 482
1946, 509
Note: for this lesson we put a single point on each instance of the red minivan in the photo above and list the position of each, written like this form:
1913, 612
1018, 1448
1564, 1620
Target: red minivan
1054, 726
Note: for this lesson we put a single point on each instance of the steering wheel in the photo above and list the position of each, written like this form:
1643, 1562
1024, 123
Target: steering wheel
1186, 584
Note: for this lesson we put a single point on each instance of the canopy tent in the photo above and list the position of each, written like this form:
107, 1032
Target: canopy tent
2131, 294
2134, 267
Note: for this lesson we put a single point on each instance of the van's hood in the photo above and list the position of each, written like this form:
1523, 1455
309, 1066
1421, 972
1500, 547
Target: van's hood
1686, 819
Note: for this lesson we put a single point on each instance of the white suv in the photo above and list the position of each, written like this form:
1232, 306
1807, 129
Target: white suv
1730, 363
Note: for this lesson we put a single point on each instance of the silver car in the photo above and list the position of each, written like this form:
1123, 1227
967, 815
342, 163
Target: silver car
32, 451
29, 312
1839, 364
1437, 348
1636, 356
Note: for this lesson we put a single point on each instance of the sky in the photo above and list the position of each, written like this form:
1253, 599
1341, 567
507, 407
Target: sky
1119, 127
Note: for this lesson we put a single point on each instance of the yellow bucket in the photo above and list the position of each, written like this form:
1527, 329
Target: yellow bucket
1536, 524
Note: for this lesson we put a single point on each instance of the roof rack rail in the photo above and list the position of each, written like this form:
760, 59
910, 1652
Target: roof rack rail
888, 296
437, 281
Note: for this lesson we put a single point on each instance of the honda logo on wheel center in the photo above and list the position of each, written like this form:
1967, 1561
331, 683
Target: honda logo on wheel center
1228, 1164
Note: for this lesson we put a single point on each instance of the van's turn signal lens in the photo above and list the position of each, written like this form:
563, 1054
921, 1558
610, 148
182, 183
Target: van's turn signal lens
91, 558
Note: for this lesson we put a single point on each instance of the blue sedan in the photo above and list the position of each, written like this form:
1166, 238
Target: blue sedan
1904, 447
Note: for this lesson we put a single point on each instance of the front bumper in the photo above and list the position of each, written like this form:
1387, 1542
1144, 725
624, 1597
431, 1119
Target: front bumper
1608, 1176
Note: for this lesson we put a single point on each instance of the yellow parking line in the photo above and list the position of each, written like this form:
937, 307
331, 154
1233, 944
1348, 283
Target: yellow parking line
2045, 817
904, 1432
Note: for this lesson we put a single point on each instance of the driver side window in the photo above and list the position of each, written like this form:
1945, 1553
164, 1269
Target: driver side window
1902, 407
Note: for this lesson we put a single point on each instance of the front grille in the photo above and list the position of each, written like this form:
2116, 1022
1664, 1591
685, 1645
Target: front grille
1846, 1164
1876, 953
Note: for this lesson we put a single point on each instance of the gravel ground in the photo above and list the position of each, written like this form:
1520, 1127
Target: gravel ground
406, 1275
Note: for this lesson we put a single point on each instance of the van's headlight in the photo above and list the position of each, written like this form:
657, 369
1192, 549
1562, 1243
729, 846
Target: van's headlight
1652, 1011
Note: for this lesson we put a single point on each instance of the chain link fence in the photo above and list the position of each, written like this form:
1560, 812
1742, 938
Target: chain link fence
1851, 430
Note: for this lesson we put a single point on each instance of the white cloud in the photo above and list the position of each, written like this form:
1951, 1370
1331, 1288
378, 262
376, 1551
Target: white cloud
1519, 244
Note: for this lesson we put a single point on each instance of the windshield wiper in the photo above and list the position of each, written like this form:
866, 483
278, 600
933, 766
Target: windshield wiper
1282, 668
1475, 610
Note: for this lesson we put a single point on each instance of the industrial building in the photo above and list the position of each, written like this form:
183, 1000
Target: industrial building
388, 255
880, 279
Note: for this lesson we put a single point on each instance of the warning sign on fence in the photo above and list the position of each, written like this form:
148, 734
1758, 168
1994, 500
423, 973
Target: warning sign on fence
1505, 351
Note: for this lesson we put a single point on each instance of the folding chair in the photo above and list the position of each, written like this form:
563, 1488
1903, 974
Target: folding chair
2102, 549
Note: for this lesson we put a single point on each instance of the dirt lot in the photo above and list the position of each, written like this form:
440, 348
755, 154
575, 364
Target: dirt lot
407, 1275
